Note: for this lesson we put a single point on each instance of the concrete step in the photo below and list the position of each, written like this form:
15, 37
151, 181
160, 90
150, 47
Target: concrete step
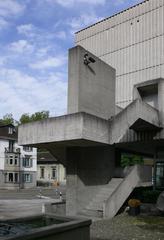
96, 205
92, 213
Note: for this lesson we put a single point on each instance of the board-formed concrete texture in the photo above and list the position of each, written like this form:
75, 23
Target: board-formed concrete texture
66, 130
87, 138
131, 42
91, 86
84, 143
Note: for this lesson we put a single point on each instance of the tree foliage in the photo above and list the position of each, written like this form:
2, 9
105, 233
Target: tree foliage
7, 119
26, 117
130, 160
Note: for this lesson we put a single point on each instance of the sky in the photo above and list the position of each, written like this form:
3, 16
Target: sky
35, 36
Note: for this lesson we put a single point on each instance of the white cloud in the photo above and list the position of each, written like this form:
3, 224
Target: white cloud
61, 35
83, 21
10, 8
3, 23
50, 62
22, 93
70, 3
21, 46
26, 29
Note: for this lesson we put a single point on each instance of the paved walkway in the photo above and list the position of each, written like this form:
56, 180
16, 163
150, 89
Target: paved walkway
32, 193
124, 227
27, 202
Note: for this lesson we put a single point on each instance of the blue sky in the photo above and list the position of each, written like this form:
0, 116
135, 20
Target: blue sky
34, 38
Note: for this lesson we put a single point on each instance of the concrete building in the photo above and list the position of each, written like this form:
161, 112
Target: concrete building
17, 163
115, 104
49, 170
132, 42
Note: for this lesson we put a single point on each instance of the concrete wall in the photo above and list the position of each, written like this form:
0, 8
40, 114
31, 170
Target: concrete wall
72, 127
132, 43
88, 170
91, 88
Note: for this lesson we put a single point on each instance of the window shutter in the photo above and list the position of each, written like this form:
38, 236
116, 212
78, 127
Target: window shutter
31, 162
31, 178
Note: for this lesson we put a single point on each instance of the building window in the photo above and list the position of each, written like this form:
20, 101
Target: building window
12, 177
16, 160
16, 177
41, 172
27, 177
53, 173
10, 130
11, 146
27, 161
11, 160
27, 149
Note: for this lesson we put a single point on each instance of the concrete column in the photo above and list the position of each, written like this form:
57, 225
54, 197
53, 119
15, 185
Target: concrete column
71, 187
88, 170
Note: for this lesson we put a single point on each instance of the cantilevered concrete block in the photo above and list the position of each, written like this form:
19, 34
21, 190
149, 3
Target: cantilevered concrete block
91, 84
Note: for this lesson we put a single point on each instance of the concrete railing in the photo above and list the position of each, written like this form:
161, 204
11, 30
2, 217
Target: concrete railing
133, 178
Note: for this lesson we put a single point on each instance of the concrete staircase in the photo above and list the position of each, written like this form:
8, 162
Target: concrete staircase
95, 207
111, 197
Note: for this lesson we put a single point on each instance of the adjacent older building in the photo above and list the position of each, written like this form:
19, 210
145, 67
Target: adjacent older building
17, 163
49, 170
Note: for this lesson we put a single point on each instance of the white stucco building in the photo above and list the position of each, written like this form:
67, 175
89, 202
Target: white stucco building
49, 170
17, 163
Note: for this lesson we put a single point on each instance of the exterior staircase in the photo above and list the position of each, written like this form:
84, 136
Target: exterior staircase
111, 197
95, 207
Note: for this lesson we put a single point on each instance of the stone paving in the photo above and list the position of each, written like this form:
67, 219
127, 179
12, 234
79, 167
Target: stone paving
124, 227
27, 202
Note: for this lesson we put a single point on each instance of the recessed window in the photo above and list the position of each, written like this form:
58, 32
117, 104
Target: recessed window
53, 173
27, 161
27, 148
12, 177
27, 177
10, 130
11, 160
41, 172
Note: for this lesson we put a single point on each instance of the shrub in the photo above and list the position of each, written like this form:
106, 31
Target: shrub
130, 160
145, 194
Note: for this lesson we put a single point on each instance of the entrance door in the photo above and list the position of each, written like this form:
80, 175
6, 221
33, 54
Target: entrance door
159, 175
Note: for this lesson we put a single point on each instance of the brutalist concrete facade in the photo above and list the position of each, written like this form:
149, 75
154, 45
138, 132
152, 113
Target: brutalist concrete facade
85, 142
86, 139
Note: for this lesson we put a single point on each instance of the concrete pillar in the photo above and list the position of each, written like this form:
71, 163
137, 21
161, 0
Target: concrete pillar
88, 170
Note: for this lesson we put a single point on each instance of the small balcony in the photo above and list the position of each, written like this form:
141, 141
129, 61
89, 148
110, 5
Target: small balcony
12, 150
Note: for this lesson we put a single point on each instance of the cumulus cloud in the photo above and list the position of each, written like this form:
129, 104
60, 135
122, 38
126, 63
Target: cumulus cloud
3, 23
70, 3
21, 46
26, 29
10, 8
83, 21
22, 93
51, 62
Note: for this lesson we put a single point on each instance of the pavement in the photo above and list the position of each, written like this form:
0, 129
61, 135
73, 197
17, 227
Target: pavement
27, 202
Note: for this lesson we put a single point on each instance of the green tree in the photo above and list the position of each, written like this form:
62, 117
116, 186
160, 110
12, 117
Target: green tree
7, 119
39, 115
130, 160
26, 118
